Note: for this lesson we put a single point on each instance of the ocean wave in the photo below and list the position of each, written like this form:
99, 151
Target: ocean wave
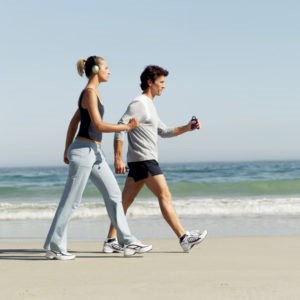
249, 188
237, 189
144, 208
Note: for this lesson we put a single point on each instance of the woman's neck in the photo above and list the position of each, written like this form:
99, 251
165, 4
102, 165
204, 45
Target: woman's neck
93, 83
94, 86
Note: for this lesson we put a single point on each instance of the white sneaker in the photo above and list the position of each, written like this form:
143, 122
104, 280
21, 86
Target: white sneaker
190, 239
136, 247
111, 246
50, 254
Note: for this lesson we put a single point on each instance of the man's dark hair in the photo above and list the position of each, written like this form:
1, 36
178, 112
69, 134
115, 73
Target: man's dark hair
151, 73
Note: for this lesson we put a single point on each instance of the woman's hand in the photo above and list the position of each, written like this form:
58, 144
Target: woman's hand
132, 124
66, 160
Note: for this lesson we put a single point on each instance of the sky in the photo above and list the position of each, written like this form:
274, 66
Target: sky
233, 64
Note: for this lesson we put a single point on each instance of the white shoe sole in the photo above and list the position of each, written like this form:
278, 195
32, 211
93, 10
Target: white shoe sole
59, 256
107, 249
131, 251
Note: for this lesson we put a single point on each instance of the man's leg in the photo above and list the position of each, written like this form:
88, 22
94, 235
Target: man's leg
130, 191
106, 183
159, 187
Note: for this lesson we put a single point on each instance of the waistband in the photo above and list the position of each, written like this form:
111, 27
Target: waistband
87, 142
80, 138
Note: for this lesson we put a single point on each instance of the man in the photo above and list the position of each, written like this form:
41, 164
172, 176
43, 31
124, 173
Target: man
142, 158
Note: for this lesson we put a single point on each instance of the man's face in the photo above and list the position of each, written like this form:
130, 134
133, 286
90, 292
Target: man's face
157, 86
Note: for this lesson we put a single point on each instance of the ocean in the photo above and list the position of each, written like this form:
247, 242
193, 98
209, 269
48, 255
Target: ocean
217, 192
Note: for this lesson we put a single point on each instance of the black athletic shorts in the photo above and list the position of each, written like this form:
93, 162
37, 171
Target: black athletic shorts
140, 169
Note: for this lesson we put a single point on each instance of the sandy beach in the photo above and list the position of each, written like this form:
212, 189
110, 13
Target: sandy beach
219, 268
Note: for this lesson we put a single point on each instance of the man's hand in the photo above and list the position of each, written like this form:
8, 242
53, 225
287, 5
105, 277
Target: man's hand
120, 166
194, 124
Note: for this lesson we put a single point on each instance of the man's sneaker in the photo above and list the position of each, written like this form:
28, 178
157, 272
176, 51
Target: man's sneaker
190, 239
111, 246
136, 247
50, 254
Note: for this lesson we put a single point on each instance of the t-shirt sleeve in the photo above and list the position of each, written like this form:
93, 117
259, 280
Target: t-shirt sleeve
134, 110
164, 131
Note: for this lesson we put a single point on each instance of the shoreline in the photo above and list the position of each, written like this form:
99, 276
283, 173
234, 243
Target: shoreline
154, 227
219, 268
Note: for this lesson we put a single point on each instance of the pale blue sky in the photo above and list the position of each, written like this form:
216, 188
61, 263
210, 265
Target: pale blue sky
234, 64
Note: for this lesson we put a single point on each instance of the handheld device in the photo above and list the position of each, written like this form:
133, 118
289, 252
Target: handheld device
194, 119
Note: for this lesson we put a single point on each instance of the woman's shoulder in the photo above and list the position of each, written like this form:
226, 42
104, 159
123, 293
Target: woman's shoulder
89, 90
90, 93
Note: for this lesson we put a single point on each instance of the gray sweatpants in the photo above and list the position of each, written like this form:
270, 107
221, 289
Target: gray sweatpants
87, 161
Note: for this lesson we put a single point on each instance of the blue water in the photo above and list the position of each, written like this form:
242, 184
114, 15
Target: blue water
199, 189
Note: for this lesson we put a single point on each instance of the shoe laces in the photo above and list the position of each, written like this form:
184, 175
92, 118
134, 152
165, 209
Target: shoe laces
116, 245
193, 237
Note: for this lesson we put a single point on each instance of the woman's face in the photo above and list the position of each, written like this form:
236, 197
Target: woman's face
104, 72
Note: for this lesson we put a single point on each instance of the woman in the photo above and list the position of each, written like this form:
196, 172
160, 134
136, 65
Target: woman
86, 160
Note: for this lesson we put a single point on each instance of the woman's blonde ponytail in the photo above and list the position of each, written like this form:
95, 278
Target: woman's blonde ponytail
80, 66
